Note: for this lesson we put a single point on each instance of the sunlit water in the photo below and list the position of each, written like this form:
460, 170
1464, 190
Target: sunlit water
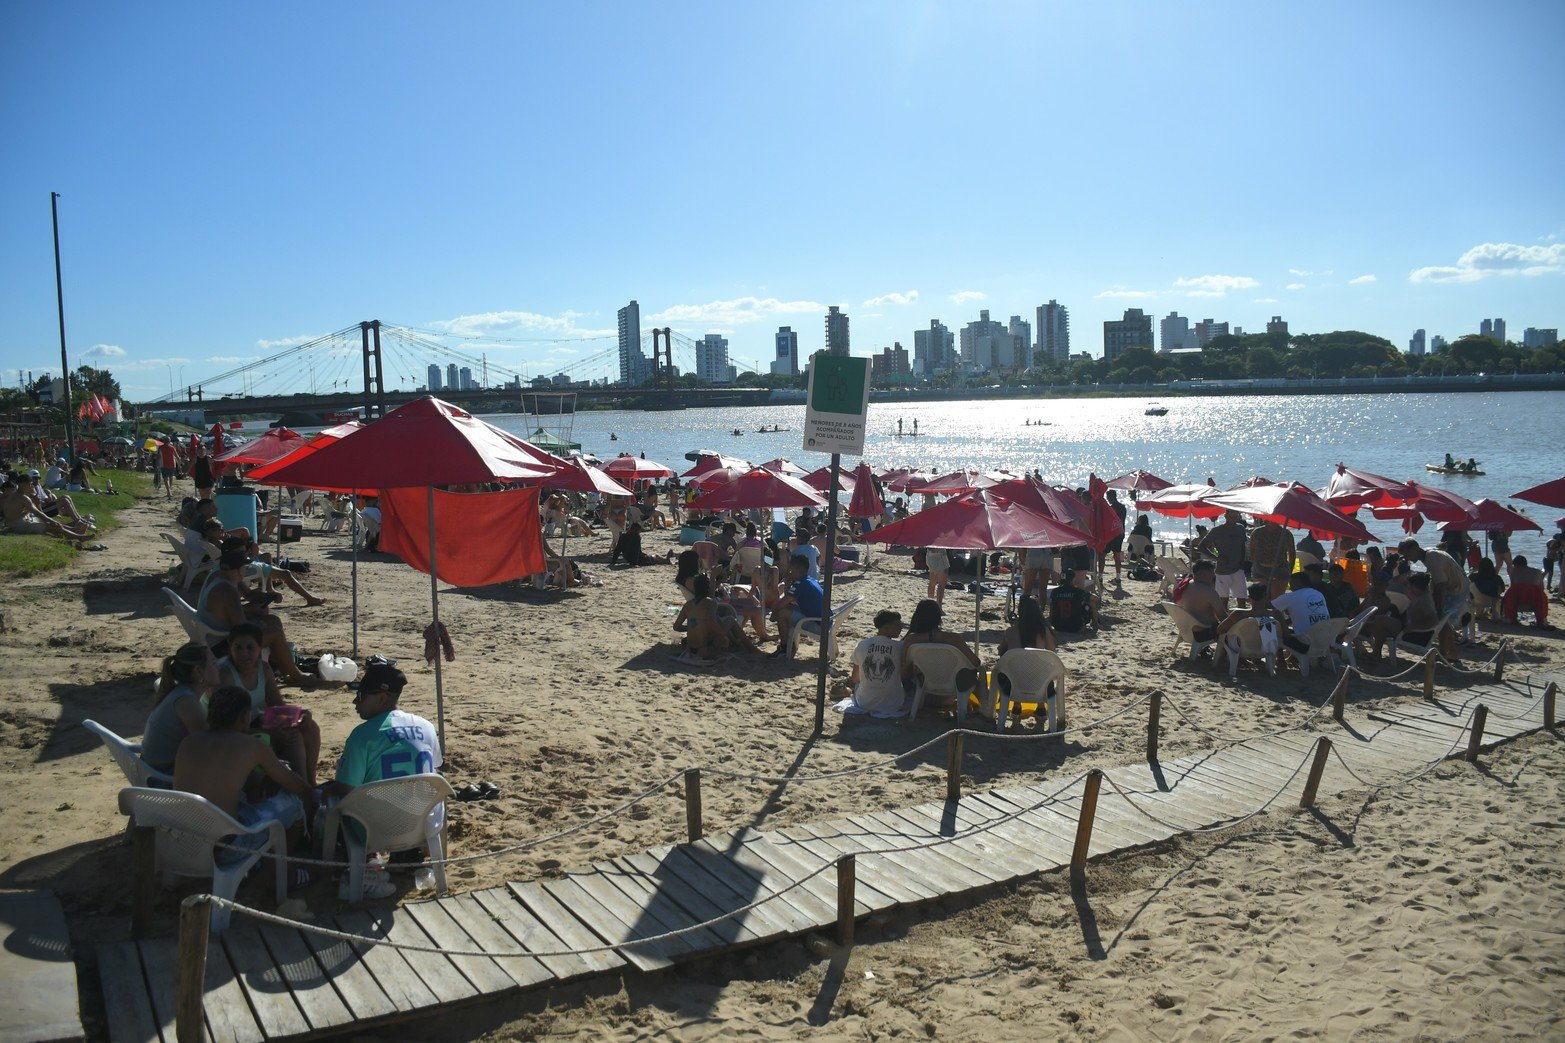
1516, 436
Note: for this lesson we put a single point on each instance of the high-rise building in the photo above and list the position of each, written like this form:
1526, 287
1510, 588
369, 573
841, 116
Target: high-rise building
1277, 326
712, 360
787, 361
464, 378
987, 345
634, 366
1175, 334
453, 379
836, 331
1054, 331
1436, 343
1206, 329
1540, 338
1494, 328
1132, 331
933, 349
1416, 345
890, 362
1021, 350
434, 377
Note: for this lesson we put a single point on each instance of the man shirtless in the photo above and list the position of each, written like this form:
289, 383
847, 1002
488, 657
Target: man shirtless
51, 504
216, 763
1201, 600
23, 515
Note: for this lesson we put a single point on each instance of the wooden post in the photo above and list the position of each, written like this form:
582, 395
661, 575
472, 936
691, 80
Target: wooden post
1499, 661
1475, 740
1154, 722
954, 766
1312, 784
1089, 808
1339, 696
1549, 692
845, 883
195, 921
144, 861
1429, 674
693, 803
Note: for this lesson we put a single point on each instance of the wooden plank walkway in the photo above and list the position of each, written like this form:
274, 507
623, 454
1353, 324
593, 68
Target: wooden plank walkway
38, 1000
271, 982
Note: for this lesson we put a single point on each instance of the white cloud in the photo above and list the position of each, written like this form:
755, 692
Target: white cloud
910, 297
1361, 280
1302, 274
495, 323
177, 360
1120, 293
1488, 259
736, 312
1296, 286
285, 342
968, 296
104, 351
232, 360
1214, 285
1265, 300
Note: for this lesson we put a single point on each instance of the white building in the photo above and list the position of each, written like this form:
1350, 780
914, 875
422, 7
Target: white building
712, 360
1175, 334
634, 366
1054, 331
987, 345
786, 363
934, 349
1021, 349
1416, 345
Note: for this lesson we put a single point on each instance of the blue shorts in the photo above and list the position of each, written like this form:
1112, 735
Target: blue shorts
284, 807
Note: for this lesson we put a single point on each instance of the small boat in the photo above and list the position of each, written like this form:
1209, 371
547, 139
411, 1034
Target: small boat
737, 432
1442, 469
613, 437
764, 430
1156, 410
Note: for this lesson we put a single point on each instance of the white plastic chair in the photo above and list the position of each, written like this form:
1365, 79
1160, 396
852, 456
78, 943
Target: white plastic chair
1479, 606
745, 561
1321, 638
128, 756
1305, 558
394, 814
191, 620
1170, 569
1345, 647
1137, 546
193, 565
188, 827
1031, 671
369, 528
937, 667
1187, 626
810, 626
1419, 651
1244, 642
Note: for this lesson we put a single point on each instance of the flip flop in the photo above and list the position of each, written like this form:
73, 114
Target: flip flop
470, 792
489, 790
299, 878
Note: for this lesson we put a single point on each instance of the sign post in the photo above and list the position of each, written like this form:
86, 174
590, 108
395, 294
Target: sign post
836, 413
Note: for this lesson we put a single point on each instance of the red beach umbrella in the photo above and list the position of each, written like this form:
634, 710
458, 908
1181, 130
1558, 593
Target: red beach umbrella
820, 480
1550, 494
579, 478
784, 466
710, 461
865, 502
959, 482
274, 445
719, 476
907, 481
1252, 483
758, 488
634, 468
1349, 490
1493, 516
312, 445
1139, 482
1441, 505
1182, 501
1294, 505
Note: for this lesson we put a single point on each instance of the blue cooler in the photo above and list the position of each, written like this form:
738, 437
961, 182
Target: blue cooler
236, 509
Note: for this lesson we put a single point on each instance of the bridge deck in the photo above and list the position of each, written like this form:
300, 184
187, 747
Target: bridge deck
283, 983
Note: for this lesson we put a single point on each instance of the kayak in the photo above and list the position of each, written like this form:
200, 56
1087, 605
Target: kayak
1438, 469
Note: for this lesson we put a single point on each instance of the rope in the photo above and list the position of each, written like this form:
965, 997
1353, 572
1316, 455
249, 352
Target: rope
1425, 770
1226, 823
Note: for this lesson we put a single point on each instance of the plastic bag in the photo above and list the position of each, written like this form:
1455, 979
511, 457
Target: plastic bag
338, 668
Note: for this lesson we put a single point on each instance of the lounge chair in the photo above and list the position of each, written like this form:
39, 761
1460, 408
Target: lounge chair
1031, 671
193, 565
188, 827
128, 756
1170, 569
938, 666
1187, 626
191, 620
1244, 642
1346, 646
394, 816
1321, 638
810, 626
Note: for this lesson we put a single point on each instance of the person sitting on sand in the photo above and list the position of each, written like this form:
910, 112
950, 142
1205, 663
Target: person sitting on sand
188, 676
216, 763
1526, 593
924, 629
878, 685
24, 516
803, 601
222, 607
1031, 629
1072, 607
298, 740
706, 636
1200, 598
628, 546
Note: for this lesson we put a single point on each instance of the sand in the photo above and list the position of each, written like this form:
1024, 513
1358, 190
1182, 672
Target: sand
1437, 916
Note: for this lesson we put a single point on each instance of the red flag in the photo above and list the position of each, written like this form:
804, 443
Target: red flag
95, 406
480, 538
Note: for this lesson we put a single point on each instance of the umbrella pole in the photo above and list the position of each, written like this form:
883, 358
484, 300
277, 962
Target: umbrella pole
354, 514
978, 600
830, 571
434, 602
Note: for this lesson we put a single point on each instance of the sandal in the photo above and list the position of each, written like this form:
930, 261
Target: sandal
299, 878
489, 790
470, 792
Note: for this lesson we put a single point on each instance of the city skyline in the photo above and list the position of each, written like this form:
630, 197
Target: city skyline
229, 186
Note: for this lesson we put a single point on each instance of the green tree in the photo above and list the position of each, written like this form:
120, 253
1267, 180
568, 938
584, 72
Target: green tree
88, 381
1264, 362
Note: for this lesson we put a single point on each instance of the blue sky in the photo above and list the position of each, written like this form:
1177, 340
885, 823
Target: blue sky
237, 176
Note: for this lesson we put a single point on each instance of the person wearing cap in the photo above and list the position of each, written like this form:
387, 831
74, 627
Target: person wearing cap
221, 606
55, 476
52, 505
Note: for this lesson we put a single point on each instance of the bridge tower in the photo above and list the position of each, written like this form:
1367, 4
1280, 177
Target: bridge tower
663, 358
374, 380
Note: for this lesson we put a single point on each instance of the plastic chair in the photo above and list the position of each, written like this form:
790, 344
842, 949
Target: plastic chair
1398, 601
1137, 546
1321, 638
937, 667
1187, 626
1244, 642
1345, 647
394, 815
706, 550
1170, 569
1303, 559
1031, 671
128, 756
1480, 606
191, 620
188, 827
746, 560
810, 626
193, 565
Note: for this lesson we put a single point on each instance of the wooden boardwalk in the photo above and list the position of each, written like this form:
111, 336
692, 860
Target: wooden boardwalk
270, 982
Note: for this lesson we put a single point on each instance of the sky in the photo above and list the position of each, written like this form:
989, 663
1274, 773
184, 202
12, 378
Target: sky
235, 178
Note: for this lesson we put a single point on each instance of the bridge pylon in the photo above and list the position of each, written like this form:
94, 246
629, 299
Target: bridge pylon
374, 378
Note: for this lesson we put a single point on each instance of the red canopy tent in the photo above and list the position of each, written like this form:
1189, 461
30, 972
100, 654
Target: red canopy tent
758, 488
1550, 494
1294, 505
1349, 490
424, 444
634, 468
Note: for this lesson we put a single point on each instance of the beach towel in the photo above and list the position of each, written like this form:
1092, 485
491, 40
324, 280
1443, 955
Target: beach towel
480, 538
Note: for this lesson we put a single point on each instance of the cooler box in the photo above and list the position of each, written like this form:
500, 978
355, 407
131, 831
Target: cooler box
691, 534
290, 529
236, 509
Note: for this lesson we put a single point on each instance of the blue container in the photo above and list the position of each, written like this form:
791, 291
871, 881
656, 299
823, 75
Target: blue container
236, 509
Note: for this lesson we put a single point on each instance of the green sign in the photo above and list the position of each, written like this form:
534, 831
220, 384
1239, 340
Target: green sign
837, 404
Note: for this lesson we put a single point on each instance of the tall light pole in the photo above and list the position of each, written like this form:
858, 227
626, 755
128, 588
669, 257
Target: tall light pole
65, 365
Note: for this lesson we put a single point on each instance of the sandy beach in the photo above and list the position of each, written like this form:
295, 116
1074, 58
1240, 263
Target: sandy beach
1428, 911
